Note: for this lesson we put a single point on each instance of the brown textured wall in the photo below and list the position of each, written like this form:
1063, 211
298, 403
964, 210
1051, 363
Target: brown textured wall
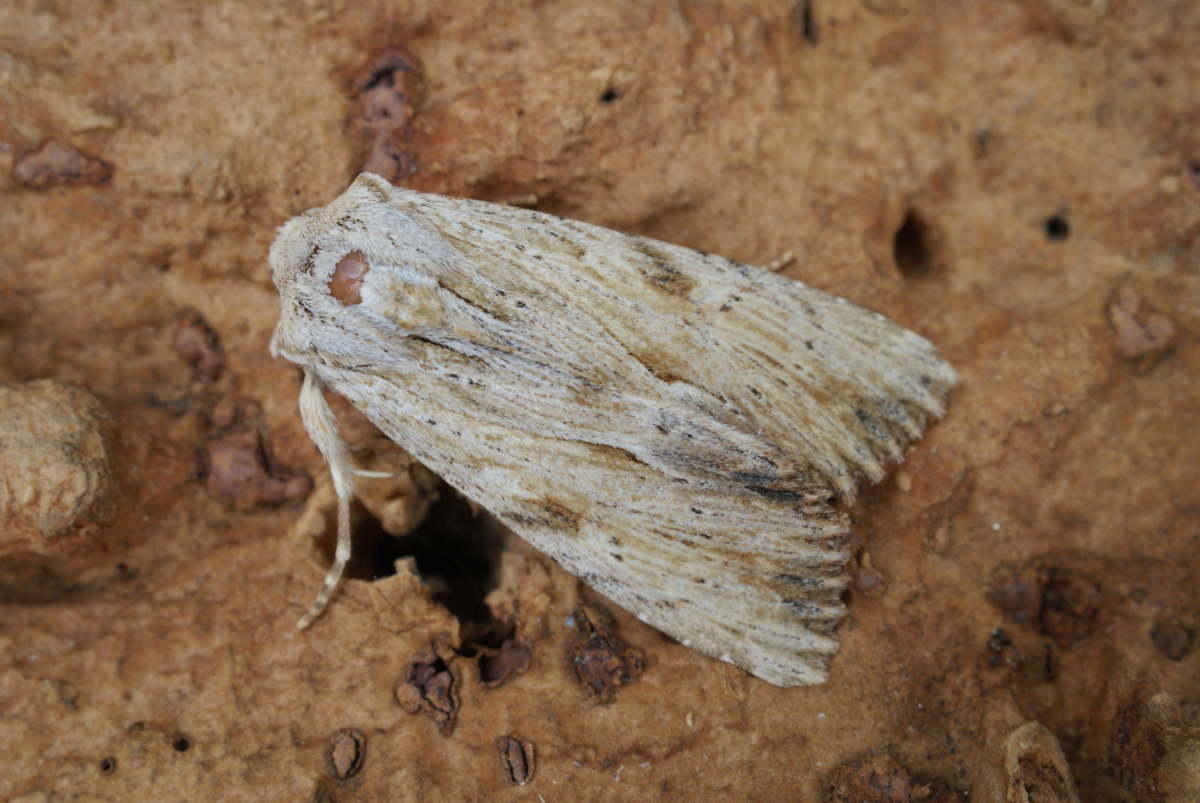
1018, 181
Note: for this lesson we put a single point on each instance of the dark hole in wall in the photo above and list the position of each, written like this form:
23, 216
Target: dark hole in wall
911, 247
1057, 227
983, 139
457, 556
610, 95
385, 72
802, 16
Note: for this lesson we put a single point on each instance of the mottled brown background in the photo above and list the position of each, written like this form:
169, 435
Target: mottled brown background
1018, 181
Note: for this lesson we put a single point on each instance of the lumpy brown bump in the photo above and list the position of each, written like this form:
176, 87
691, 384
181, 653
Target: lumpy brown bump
346, 283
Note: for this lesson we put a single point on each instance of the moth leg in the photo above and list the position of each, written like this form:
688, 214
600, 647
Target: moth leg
319, 420
378, 475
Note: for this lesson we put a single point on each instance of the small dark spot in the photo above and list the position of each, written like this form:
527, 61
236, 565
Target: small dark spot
520, 304
108, 765
1172, 639
180, 744
1000, 651
1049, 665
67, 694
610, 95
998, 640
911, 247
983, 138
755, 392
1016, 591
697, 511
802, 17
1070, 606
1057, 228
1193, 171
618, 557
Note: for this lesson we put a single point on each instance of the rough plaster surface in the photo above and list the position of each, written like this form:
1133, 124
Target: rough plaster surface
1017, 180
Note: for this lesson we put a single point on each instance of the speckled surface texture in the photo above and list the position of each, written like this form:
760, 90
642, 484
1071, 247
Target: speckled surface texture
1017, 181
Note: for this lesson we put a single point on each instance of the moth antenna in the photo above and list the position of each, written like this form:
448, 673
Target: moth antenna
322, 428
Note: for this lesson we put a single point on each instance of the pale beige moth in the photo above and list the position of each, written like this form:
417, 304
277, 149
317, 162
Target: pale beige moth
672, 427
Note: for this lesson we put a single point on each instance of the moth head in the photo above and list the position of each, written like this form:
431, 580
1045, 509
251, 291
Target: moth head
366, 264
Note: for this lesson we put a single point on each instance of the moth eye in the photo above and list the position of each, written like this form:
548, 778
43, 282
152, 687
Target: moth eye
346, 282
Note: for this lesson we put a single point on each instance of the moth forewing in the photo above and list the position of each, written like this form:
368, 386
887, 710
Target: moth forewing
670, 426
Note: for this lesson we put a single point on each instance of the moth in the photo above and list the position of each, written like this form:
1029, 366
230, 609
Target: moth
674, 428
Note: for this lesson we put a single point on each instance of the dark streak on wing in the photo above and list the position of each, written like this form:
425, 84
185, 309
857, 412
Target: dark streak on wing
665, 277
544, 514
490, 312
